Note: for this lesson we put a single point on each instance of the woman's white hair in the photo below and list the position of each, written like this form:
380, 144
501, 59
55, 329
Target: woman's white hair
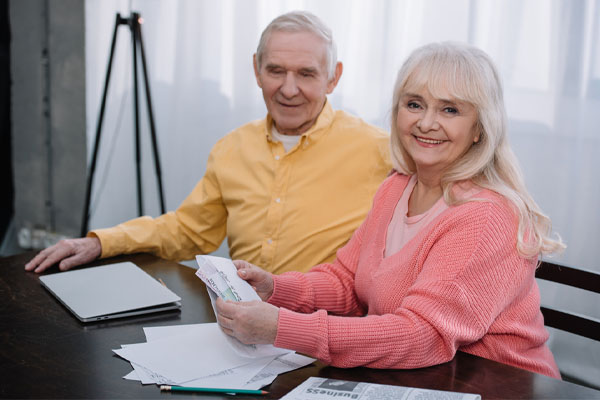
469, 75
300, 21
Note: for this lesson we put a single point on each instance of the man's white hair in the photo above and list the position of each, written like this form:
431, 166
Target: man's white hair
300, 21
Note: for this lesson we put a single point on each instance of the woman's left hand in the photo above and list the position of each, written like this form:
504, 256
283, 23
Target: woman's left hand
251, 322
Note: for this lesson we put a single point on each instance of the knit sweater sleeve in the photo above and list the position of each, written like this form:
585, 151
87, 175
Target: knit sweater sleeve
326, 286
471, 272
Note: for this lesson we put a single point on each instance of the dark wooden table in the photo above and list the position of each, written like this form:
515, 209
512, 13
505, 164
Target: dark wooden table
45, 352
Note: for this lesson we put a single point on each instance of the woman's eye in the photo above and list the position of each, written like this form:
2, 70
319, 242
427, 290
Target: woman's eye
412, 105
450, 110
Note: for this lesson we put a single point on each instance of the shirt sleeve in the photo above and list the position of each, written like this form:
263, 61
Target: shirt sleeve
468, 278
328, 286
198, 226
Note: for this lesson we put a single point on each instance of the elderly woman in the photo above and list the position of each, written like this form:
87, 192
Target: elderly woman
444, 261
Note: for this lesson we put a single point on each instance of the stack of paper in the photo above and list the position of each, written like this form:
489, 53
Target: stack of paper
201, 355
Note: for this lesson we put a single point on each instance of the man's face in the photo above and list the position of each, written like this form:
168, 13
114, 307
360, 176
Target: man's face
293, 79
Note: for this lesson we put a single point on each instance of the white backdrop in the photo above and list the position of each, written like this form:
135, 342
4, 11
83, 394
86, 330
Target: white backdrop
199, 56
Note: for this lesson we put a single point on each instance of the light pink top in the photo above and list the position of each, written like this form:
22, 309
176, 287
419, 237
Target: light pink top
403, 228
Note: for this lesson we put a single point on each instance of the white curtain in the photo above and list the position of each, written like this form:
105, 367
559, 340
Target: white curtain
199, 55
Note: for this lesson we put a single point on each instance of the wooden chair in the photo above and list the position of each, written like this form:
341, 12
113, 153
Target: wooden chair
567, 321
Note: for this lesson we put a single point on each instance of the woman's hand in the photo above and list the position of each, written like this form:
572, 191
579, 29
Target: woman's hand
258, 278
251, 322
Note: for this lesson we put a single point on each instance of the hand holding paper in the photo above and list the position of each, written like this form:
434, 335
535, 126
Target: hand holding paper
222, 280
249, 321
252, 322
258, 278
220, 275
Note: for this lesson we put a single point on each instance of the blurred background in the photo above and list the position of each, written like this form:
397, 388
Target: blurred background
54, 57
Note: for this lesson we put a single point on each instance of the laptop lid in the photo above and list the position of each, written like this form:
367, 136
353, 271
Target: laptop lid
110, 291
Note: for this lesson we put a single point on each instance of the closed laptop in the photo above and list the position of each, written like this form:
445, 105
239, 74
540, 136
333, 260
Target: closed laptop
110, 291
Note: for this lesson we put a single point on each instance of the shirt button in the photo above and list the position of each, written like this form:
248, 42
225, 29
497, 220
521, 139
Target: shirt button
269, 241
277, 157
278, 200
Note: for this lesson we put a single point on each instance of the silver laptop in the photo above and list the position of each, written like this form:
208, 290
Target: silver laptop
110, 291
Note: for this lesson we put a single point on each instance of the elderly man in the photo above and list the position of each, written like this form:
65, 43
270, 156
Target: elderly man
288, 190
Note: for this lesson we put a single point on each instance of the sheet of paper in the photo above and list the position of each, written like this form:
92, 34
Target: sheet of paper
253, 375
238, 377
147, 377
132, 376
161, 332
201, 352
280, 365
221, 276
234, 378
142, 374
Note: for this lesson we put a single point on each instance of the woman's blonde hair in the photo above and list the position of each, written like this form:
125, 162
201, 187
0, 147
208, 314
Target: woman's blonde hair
469, 75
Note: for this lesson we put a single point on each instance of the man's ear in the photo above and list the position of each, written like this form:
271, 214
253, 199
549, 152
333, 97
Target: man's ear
256, 72
339, 68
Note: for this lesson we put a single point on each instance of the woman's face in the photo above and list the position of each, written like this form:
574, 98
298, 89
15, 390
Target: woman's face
435, 131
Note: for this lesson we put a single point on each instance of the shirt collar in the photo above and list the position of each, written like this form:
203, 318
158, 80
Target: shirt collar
324, 120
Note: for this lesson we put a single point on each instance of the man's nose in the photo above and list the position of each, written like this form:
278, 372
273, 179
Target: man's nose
428, 121
289, 88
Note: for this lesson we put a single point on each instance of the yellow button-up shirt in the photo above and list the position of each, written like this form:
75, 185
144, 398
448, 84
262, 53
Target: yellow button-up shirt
281, 211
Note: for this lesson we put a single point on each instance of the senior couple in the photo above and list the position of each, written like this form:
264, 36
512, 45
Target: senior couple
361, 262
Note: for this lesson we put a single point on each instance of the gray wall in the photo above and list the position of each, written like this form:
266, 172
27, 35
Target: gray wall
48, 114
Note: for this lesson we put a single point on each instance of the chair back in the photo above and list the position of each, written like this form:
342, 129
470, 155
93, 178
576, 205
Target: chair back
567, 321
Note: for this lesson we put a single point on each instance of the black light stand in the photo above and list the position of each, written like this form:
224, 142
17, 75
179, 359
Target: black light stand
134, 25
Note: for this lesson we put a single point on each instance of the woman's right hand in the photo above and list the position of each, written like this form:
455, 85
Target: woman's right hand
258, 278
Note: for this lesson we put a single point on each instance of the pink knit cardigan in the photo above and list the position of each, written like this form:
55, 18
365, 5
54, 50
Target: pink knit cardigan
458, 285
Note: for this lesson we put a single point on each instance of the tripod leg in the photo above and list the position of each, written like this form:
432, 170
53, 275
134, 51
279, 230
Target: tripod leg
152, 126
88, 191
132, 24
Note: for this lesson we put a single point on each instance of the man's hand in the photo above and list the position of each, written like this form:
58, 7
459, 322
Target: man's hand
258, 278
251, 322
68, 253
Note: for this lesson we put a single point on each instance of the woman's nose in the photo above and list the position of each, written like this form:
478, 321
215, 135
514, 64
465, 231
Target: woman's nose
428, 121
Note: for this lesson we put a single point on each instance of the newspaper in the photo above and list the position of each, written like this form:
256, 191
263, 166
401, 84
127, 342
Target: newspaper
323, 389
